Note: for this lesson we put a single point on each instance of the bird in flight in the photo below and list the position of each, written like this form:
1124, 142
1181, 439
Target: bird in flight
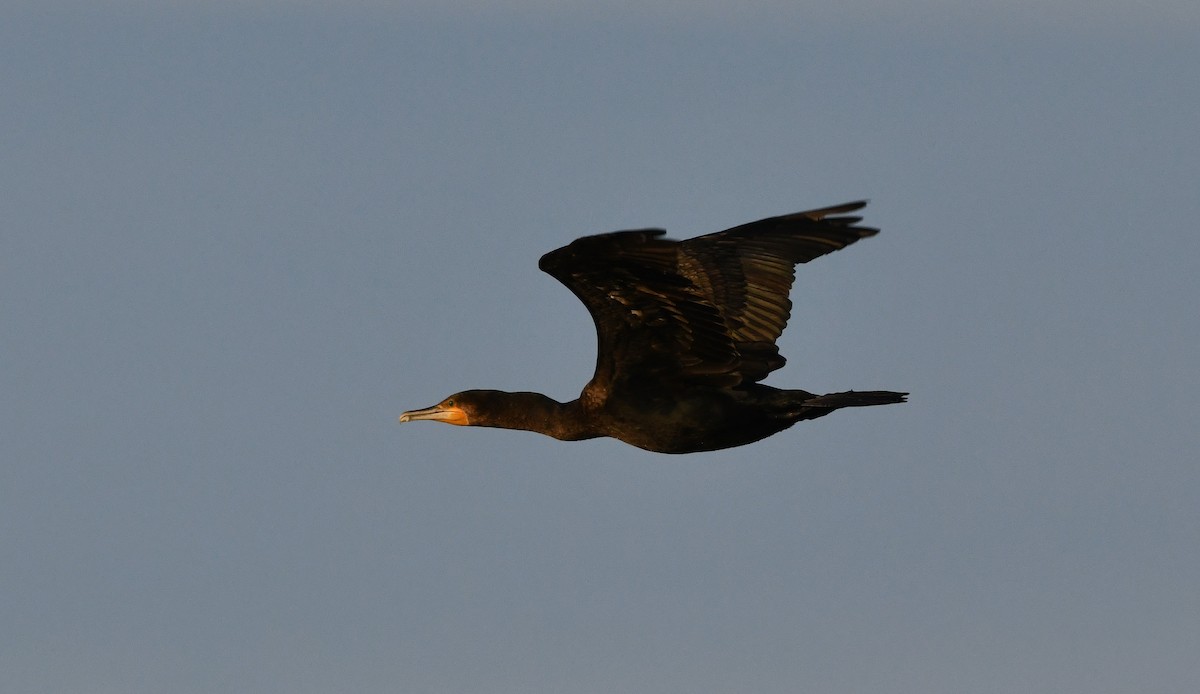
686, 331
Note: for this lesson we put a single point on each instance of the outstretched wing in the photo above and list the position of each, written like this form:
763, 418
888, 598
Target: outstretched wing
707, 310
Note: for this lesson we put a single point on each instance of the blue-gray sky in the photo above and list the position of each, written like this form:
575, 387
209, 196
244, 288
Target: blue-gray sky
237, 239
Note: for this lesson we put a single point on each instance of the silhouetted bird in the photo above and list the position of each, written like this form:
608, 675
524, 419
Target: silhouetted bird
686, 331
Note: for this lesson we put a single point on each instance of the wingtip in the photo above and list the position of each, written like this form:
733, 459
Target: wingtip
821, 213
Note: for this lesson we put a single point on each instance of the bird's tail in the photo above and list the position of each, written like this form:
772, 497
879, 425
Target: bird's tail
799, 405
856, 398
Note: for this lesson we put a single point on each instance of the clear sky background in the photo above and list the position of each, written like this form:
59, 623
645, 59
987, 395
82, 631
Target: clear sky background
238, 239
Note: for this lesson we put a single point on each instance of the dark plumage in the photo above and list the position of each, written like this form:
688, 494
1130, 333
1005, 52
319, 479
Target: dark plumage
686, 330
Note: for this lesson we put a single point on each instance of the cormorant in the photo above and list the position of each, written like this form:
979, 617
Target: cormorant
686, 331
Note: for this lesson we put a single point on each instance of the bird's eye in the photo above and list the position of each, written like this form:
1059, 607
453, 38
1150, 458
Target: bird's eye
450, 402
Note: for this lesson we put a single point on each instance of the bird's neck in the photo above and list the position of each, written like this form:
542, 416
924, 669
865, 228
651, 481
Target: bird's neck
536, 412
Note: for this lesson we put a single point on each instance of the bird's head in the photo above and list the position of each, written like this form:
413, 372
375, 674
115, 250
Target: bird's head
463, 409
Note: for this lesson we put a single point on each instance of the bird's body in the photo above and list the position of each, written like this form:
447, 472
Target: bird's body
686, 330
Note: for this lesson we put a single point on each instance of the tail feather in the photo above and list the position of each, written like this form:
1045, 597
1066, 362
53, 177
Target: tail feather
856, 398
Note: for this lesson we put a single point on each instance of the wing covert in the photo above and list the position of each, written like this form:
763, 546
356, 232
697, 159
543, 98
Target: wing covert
652, 323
